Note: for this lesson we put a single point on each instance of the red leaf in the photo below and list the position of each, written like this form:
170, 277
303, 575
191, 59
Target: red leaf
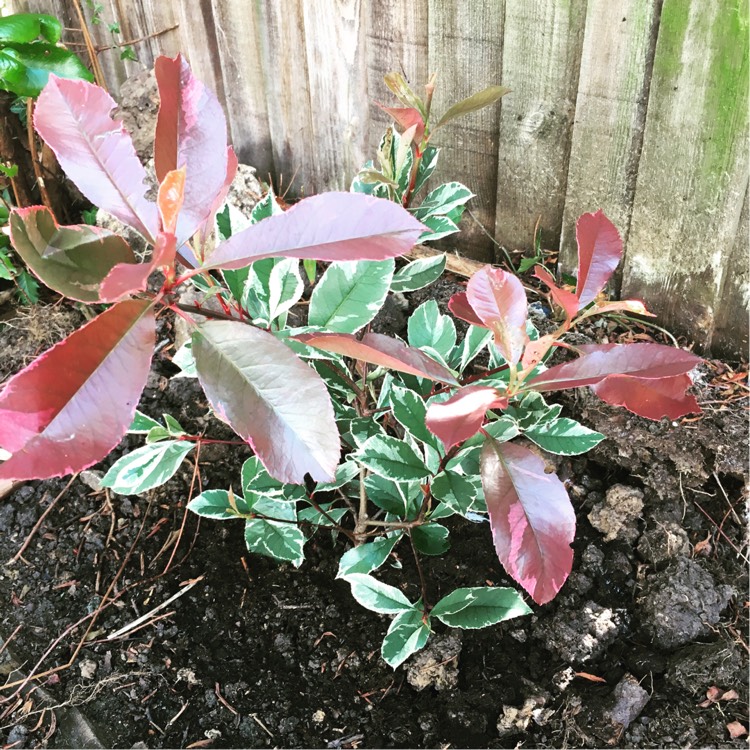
71, 260
406, 117
498, 299
170, 199
459, 305
329, 227
562, 297
95, 151
270, 398
736, 730
600, 361
628, 305
191, 132
650, 398
599, 253
532, 519
70, 407
232, 165
380, 350
462, 415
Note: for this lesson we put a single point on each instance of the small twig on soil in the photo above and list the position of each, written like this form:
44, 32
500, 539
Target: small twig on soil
5, 643
719, 529
255, 718
726, 497
150, 613
38, 524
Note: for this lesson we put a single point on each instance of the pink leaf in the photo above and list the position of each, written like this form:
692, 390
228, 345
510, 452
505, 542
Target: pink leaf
462, 415
650, 398
95, 151
191, 132
71, 260
498, 299
601, 361
70, 407
330, 227
532, 519
599, 252
406, 117
380, 350
270, 398
232, 165
562, 297
459, 305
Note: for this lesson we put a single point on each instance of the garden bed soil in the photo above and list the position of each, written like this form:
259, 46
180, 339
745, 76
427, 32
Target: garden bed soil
250, 653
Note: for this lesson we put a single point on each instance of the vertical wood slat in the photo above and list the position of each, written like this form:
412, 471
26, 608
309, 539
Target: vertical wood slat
542, 47
609, 116
397, 40
692, 174
336, 64
465, 50
731, 336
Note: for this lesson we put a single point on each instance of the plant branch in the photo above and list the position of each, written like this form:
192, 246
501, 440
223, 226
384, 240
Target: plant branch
421, 574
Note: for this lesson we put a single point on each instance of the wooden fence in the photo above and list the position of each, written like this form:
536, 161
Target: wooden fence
638, 107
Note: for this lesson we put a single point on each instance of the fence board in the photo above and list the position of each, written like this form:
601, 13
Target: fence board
731, 335
693, 170
465, 50
396, 40
541, 56
609, 116
338, 89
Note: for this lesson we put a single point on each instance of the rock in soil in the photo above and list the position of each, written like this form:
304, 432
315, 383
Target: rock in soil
681, 603
663, 542
617, 517
627, 701
697, 667
513, 720
437, 665
580, 634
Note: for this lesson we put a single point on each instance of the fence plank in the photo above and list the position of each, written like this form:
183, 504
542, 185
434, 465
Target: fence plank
693, 169
610, 115
336, 64
731, 336
396, 40
541, 57
465, 50
238, 35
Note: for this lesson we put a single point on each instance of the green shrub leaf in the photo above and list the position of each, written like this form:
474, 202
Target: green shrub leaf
479, 607
146, 467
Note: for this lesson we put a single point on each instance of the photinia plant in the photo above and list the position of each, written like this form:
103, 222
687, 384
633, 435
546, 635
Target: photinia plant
378, 439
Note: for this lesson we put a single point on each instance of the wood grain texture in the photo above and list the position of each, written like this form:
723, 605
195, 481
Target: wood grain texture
287, 94
337, 82
731, 336
610, 115
397, 40
465, 50
692, 175
541, 56
238, 33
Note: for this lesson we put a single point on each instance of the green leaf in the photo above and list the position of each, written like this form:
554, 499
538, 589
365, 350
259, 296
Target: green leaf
430, 539
349, 294
25, 68
316, 518
155, 434
128, 53
219, 505
475, 340
438, 227
565, 437
146, 467
532, 410
398, 498
360, 430
403, 92
407, 634
26, 27
418, 274
183, 358
376, 596
281, 541
311, 269
476, 101
265, 207
256, 479
479, 607
174, 428
368, 556
285, 287
458, 492
428, 327
345, 472
426, 167
28, 289
409, 410
391, 458
442, 200
142, 424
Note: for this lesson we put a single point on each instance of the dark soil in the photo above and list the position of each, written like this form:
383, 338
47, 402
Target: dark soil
256, 654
